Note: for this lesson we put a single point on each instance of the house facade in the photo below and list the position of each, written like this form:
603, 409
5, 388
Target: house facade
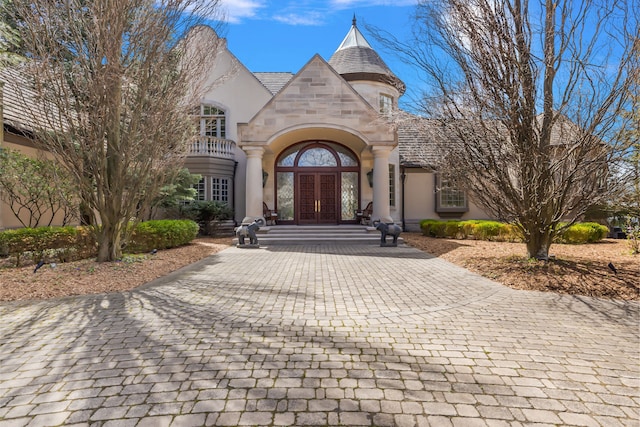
315, 145
15, 136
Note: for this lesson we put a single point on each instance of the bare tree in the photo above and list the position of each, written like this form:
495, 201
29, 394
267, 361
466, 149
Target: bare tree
528, 95
114, 86
628, 201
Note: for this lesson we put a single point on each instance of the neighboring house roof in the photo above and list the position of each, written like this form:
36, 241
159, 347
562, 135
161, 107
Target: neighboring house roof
274, 81
356, 60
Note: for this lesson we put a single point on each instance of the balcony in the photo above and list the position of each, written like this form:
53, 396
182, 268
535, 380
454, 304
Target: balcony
208, 146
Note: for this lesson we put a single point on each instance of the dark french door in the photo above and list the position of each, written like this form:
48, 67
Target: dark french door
317, 196
317, 182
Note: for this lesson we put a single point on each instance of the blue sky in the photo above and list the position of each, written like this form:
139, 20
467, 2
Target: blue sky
282, 35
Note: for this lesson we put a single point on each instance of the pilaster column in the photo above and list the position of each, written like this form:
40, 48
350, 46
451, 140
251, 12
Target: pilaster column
254, 181
381, 182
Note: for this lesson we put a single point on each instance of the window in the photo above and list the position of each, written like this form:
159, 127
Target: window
450, 201
392, 185
212, 122
200, 188
386, 104
220, 189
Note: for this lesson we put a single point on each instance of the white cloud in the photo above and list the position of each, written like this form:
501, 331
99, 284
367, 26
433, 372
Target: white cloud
346, 4
236, 10
307, 19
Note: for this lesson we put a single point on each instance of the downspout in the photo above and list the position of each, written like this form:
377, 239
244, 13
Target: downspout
235, 168
403, 177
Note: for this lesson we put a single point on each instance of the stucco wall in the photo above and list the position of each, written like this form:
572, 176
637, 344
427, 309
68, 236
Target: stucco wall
7, 217
236, 90
371, 91
420, 200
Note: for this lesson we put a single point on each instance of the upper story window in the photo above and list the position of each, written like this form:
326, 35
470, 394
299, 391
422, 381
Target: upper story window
386, 104
212, 122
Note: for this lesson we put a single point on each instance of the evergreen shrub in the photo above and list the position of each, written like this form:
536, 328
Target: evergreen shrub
161, 234
586, 232
58, 241
583, 232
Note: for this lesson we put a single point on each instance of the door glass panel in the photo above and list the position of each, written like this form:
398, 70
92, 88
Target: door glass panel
285, 196
349, 195
317, 157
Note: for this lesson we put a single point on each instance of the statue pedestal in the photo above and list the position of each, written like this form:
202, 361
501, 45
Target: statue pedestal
248, 245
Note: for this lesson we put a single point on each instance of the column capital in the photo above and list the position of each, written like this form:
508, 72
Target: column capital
381, 150
253, 151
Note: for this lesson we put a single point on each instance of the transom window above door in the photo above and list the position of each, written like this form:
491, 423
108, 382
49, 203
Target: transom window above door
316, 154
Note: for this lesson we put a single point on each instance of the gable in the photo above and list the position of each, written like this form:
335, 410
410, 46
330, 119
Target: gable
317, 96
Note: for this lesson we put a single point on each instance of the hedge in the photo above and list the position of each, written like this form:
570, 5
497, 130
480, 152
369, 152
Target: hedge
476, 229
65, 242
583, 232
161, 234
69, 243
586, 232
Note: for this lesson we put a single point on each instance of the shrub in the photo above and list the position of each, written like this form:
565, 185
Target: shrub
60, 241
467, 228
452, 229
510, 233
583, 232
633, 237
161, 234
586, 232
205, 213
487, 230
435, 228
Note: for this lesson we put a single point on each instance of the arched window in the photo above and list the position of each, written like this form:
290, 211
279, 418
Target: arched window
212, 121
318, 155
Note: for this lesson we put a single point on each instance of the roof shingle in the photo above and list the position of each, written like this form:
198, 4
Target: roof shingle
274, 82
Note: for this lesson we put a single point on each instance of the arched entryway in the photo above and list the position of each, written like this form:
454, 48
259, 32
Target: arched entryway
317, 182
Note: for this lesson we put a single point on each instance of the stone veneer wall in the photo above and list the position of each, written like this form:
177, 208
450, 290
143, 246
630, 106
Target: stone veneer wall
316, 96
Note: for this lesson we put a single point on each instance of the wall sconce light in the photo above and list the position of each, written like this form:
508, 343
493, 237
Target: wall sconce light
370, 178
265, 176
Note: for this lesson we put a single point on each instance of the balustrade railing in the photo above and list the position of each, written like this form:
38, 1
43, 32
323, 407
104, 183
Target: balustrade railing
212, 147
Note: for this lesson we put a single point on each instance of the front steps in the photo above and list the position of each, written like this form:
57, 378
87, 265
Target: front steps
319, 235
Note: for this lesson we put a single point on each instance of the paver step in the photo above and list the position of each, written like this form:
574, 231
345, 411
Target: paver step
318, 235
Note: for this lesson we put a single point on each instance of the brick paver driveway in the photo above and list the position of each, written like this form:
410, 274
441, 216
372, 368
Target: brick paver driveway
320, 335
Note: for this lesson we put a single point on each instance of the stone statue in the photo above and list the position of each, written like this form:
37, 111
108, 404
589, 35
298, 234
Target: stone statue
385, 229
248, 230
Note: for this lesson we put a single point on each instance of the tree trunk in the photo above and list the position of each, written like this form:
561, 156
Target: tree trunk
538, 244
109, 243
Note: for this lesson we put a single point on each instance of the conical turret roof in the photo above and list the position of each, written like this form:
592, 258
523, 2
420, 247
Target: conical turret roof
355, 59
